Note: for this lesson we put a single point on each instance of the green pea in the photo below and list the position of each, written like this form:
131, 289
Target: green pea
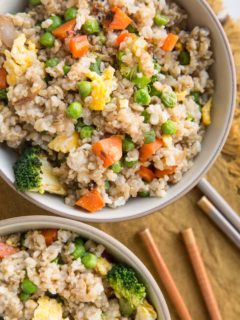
128, 72
146, 116
169, 127
91, 26
142, 97
24, 296
85, 88
144, 194
102, 38
128, 144
131, 164
28, 286
3, 95
107, 185
47, 40
196, 96
51, 63
96, 66
161, 20
126, 308
35, 2
56, 22
117, 167
184, 58
66, 69
70, 14
141, 81
150, 136
132, 29
120, 55
90, 260
79, 250
74, 110
169, 98
86, 132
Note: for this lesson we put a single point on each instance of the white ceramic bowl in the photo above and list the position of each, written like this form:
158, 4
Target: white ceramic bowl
224, 99
114, 247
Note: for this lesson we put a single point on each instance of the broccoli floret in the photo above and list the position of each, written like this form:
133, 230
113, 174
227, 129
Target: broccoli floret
34, 173
126, 285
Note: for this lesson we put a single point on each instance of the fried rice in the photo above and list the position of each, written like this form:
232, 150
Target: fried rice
140, 83
48, 275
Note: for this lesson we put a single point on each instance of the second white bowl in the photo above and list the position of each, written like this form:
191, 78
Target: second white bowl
114, 247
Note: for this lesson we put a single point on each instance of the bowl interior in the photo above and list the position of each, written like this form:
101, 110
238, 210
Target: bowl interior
224, 75
113, 246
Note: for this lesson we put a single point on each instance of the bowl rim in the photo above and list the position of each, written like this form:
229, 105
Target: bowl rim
204, 169
44, 222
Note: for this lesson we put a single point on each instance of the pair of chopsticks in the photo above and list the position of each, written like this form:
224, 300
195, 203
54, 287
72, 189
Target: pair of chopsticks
220, 212
167, 279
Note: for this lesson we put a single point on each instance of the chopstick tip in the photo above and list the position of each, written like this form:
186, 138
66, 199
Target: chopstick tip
144, 232
188, 235
187, 230
205, 205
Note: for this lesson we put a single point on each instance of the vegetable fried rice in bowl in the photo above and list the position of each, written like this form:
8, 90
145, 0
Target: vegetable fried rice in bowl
72, 271
109, 100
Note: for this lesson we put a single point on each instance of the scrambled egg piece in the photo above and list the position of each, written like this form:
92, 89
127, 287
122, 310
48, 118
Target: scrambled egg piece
50, 182
167, 141
21, 57
181, 96
103, 266
102, 88
48, 309
206, 113
146, 312
63, 143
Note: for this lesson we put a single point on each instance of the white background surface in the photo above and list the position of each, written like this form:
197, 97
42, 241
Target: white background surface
233, 7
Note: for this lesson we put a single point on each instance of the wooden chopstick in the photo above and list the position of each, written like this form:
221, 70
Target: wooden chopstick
201, 274
217, 217
219, 203
165, 275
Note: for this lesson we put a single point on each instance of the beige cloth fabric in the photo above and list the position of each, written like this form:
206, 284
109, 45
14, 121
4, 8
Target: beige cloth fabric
221, 258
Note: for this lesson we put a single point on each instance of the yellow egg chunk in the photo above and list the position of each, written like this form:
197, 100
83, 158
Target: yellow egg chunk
145, 312
50, 182
167, 141
48, 309
103, 266
19, 59
181, 96
206, 113
102, 87
98, 95
64, 143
